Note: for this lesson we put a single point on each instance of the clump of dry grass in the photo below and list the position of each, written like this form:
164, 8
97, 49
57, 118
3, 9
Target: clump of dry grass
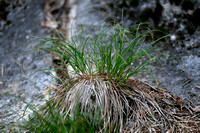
131, 106
98, 97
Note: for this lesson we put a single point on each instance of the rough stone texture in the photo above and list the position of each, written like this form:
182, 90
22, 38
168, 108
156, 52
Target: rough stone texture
18, 62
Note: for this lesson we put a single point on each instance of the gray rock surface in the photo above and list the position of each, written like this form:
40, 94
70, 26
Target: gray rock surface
18, 83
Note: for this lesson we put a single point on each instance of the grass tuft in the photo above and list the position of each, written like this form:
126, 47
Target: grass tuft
95, 76
115, 54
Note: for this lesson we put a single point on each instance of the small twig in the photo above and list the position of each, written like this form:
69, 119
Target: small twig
187, 81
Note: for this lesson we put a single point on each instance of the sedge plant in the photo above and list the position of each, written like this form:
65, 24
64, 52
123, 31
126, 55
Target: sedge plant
97, 71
